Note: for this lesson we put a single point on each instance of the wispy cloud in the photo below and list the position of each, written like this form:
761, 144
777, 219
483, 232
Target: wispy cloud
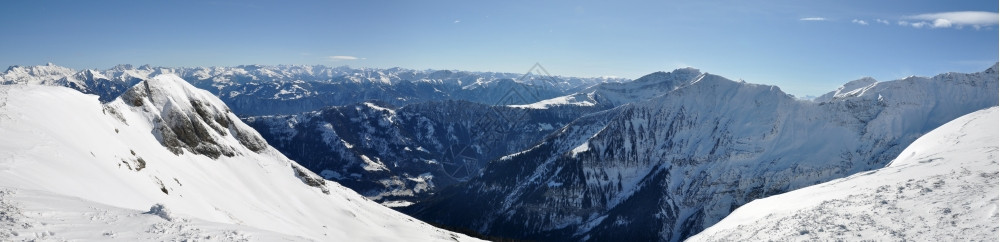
975, 19
882, 21
813, 19
457, 21
343, 58
858, 21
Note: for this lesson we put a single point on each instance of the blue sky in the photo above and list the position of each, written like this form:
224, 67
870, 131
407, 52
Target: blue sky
804, 47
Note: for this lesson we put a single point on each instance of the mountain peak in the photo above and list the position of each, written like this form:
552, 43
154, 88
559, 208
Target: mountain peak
681, 75
92, 75
706, 77
862, 82
686, 71
849, 87
993, 69
186, 117
122, 67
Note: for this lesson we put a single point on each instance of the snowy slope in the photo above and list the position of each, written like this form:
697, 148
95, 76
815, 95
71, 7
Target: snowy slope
32, 214
166, 142
943, 187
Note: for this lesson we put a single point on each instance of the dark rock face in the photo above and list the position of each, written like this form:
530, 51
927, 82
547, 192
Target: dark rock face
189, 119
310, 178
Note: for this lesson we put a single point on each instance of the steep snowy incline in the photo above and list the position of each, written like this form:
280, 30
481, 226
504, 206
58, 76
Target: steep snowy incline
166, 142
943, 187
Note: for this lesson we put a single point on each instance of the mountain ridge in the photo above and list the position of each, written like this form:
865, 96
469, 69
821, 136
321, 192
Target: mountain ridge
290, 89
683, 160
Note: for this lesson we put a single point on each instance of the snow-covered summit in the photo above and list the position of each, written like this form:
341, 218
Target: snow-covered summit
847, 89
681, 74
65, 153
942, 187
612, 94
184, 117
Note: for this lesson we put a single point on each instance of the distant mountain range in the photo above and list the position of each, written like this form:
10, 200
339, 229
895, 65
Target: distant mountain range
290, 89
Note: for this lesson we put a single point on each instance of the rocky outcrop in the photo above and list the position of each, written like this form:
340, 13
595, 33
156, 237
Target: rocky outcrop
190, 119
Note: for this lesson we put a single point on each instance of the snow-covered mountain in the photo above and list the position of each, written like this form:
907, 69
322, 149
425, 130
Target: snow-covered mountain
943, 187
48, 74
291, 89
612, 94
166, 161
399, 155
87, 81
670, 166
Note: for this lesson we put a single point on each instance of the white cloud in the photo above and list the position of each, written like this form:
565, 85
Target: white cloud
457, 21
813, 19
941, 23
343, 58
861, 22
976, 19
882, 21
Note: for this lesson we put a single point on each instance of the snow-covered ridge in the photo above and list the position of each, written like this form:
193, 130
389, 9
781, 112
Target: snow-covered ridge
612, 94
46, 74
573, 100
58, 143
667, 167
942, 187
848, 88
